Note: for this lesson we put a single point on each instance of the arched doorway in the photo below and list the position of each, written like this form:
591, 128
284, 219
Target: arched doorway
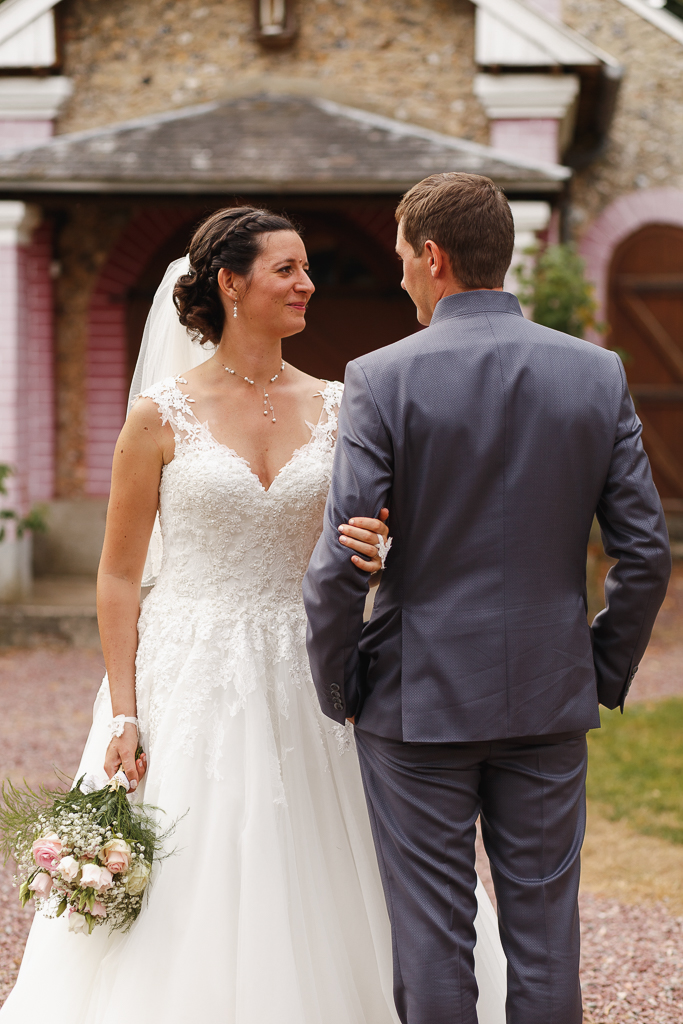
358, 305
646, 319
140, 294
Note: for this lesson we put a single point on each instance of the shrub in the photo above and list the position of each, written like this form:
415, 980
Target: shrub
556, 290
34, 521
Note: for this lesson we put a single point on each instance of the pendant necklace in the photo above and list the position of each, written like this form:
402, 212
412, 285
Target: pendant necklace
267, 404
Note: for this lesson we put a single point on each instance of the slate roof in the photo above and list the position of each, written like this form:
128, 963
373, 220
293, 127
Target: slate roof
260, 144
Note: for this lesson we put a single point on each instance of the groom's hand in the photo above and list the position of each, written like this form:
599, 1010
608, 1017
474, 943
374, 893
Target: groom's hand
362, 535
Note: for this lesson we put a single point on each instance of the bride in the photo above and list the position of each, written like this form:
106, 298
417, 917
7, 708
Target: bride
271, 908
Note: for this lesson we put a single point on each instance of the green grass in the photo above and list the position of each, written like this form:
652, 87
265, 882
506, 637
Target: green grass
635, 768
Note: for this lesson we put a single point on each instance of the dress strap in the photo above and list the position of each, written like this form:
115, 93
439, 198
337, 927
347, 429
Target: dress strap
175, 408
326, 428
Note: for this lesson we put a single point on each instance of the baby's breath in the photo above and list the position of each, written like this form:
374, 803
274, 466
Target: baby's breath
83, 827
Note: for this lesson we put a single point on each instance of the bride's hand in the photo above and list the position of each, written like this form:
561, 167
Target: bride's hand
363, 535
121, 754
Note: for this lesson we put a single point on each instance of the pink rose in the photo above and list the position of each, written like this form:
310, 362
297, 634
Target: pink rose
47, 851
116, 855
98, 909
41, 885
97, 878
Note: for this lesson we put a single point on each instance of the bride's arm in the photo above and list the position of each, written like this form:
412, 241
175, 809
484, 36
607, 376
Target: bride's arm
362, 535
136, 472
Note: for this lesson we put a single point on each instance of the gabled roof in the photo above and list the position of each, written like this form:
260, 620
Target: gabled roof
261, 144
512, 33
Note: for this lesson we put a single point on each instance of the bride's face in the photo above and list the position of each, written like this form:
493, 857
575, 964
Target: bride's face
277, 292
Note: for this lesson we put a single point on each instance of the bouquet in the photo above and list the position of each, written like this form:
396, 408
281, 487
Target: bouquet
87, 851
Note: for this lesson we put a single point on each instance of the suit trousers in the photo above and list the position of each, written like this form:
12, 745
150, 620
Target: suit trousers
424, 800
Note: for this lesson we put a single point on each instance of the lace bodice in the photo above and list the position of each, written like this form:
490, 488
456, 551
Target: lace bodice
222, 530
227, 606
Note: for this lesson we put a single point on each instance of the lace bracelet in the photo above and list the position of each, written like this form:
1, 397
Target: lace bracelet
118, 724
383, 547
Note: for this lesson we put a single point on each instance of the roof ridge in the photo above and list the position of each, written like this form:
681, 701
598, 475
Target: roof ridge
429, 135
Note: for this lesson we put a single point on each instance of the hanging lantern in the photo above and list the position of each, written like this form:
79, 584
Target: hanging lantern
275, 22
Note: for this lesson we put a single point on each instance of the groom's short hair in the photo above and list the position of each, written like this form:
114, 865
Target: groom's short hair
468, 216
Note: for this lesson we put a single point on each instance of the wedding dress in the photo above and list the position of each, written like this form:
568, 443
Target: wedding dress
270, 908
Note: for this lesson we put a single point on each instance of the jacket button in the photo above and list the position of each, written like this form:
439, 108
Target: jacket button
334, 687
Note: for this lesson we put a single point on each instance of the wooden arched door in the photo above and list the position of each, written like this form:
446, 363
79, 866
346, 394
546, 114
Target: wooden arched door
646, 320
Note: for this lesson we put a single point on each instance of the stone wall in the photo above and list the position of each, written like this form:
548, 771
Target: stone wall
646, 138
401, 58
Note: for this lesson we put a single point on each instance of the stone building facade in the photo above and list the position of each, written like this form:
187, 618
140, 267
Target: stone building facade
122, 124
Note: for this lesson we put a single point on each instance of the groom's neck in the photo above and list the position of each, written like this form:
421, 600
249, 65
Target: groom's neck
452, 287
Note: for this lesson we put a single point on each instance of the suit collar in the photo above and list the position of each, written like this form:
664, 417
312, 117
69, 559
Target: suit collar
464, 303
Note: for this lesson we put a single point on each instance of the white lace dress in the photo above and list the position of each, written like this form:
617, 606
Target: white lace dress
271, 908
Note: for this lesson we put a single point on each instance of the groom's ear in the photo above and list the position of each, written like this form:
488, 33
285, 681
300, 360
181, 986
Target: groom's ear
437, 261
439, 264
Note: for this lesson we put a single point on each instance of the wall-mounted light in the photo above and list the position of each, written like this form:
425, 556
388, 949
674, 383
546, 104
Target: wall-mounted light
275, 22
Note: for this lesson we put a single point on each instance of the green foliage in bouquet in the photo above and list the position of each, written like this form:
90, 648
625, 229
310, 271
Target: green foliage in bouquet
34, 521
90, 853
556, 290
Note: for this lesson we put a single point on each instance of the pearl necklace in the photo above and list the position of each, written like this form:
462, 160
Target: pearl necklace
267, 404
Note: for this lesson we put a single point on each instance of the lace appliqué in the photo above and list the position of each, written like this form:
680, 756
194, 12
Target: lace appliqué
225, 624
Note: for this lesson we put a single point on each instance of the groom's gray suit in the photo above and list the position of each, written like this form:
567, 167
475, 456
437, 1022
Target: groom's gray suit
494, 442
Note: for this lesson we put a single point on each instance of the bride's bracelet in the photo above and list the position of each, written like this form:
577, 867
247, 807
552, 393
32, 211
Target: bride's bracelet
118, 723
383, 547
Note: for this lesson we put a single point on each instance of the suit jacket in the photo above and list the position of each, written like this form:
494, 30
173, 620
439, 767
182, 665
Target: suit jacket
494, 442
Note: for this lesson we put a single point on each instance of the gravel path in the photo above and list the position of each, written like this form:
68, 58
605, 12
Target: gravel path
46, 699
632, 963
633, 955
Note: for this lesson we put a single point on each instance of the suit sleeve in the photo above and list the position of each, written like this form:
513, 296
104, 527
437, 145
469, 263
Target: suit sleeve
634, 532
334, 589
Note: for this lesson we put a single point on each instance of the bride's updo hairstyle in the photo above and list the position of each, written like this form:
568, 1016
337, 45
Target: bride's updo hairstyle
229, 239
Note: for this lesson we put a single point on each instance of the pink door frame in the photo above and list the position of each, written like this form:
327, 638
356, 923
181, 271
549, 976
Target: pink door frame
107, 345
622, 218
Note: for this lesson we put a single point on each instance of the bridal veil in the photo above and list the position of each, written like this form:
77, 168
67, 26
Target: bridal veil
166, 351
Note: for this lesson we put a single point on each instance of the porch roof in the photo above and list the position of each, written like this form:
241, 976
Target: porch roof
261, 143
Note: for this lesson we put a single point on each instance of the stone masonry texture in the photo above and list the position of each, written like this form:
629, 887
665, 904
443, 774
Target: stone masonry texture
403, 59
646, 138
408, 59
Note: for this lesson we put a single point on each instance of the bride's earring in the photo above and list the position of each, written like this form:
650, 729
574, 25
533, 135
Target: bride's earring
234, 310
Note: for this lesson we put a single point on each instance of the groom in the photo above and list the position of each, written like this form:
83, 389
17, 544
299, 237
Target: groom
494, 442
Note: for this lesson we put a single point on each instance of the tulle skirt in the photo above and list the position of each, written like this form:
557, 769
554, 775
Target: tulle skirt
269, 904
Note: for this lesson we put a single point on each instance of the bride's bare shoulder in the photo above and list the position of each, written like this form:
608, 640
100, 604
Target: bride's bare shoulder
314, 385
143, 418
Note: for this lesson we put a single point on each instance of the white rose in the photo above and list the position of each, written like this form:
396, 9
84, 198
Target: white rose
78, 924
68, 868
135, 881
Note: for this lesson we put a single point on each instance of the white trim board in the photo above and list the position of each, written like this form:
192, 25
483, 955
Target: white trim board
15, 15
33, 99
32, 47
549, 41
661, 19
